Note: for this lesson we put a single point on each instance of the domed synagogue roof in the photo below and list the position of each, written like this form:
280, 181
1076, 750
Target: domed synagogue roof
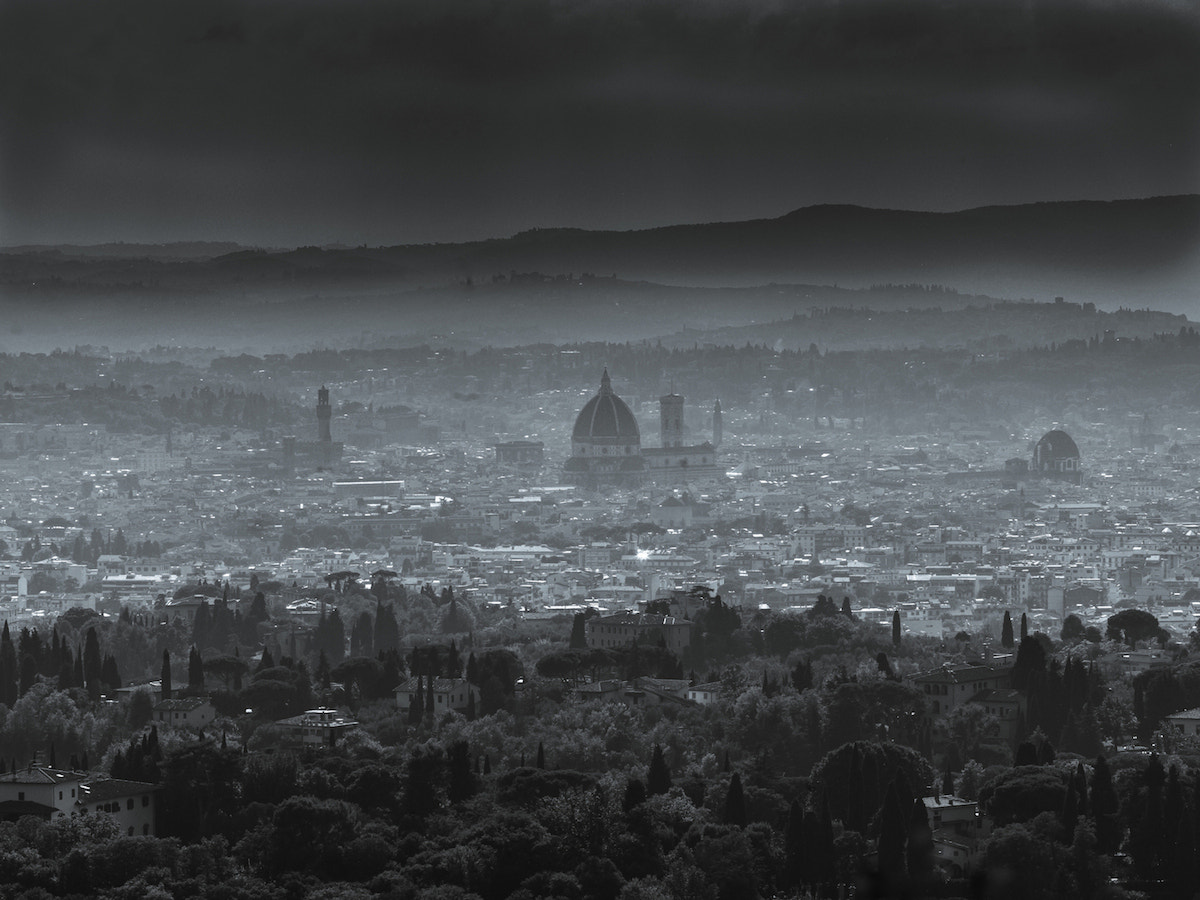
1055, 445
605, 416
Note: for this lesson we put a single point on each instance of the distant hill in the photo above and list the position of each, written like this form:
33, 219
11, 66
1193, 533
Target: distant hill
559, 284
1128, 252
176, 251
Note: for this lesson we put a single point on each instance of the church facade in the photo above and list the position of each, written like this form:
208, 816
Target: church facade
607, 451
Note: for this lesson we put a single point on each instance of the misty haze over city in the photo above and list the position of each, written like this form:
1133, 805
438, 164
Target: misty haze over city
599, 450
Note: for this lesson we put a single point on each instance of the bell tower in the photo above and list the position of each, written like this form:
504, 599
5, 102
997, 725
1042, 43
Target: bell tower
670, 408
324, 413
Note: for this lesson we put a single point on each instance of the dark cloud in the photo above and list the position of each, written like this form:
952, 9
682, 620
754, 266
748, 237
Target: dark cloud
382, 122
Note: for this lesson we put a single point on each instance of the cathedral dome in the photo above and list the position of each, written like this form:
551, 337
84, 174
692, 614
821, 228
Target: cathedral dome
1055, 446
606, 416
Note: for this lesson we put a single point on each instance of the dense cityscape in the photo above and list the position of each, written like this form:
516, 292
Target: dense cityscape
541, 621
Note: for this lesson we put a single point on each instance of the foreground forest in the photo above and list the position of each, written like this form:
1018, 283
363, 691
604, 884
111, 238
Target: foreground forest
805, 777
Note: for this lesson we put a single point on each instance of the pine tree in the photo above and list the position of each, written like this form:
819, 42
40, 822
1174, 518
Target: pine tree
735, 802
658, 778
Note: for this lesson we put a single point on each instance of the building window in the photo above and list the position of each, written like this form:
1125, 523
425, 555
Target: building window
145, 799
20, 795
146, 828
131, 831
129, 803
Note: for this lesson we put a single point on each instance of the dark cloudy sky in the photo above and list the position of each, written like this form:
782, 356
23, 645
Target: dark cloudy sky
284, 122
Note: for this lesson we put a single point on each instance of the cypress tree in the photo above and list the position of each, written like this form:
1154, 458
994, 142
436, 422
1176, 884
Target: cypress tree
29, 671
202, 625
856, 813
1103, 802
110, 675
896, 627
1173, 811
920, 852
1069, 815
237, 672
195, 671
541, 756
578, 632
362, 635
92, 664
1024, 626
793, 849
893, 827
66, 669
635, 795
846, 610
823, 871
335, 638
165, 676
1006, 631
387, 631
735, 802
1146, 837
658, 778
416, 701
461, 784
429, 695
1184, 870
